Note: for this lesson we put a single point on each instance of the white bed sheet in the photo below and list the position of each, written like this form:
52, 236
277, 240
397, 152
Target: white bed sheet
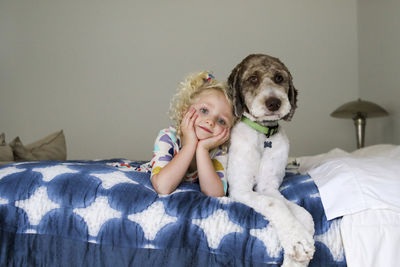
371, 238
364, 188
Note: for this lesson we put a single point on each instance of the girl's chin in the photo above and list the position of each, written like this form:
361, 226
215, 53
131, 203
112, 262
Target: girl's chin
202, 136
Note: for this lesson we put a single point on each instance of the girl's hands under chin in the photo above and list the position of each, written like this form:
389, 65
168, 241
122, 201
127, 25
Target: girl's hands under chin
187, 128
213, 142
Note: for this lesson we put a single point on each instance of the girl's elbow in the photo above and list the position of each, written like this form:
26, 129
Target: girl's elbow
214, 193
218, 195
161, 190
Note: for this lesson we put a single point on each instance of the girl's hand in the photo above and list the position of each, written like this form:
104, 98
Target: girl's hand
187, 128
215, 141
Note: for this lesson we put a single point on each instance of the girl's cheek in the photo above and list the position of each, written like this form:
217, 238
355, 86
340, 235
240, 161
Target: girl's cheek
197, 114
219, 131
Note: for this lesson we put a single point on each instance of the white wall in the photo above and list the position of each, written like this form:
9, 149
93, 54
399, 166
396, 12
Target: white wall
104, 71
379, 36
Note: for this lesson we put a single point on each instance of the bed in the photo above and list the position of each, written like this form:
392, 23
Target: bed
106, 213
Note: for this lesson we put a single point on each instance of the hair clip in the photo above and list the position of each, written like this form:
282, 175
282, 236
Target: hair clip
209, 77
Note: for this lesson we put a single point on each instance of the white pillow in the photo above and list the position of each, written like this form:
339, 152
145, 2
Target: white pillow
309, 162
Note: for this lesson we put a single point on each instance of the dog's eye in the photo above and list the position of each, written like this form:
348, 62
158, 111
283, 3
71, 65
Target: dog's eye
278, 78
253, 79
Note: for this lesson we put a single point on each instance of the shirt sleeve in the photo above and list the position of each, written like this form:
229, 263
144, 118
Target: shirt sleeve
165, 149
219, 159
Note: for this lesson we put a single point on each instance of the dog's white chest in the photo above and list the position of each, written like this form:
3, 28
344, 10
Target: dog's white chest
265, 157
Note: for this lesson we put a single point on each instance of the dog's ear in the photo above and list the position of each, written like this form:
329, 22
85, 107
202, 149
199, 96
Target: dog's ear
292, 95
235, 88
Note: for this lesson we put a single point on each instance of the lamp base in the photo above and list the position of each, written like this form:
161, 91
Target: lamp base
359, 123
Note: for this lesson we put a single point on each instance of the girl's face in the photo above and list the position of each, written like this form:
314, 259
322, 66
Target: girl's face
214, 114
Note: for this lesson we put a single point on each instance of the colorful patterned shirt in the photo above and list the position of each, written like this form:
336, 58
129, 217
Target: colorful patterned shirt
168, 144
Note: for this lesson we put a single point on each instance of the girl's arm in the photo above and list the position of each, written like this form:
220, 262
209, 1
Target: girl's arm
210, 182
170, 176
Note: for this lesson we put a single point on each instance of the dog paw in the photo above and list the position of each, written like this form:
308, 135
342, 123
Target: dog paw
300, 249
288, 262
303, 251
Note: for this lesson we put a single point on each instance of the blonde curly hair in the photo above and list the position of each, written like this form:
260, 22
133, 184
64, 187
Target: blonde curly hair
193, 85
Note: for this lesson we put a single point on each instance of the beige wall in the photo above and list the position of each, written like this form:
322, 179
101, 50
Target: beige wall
104, 71
379, 68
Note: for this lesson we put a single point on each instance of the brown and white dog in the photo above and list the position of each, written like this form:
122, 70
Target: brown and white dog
263, 93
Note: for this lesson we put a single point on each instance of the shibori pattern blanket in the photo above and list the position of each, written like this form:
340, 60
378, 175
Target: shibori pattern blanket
106, 213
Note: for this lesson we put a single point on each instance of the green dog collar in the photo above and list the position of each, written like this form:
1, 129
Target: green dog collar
268, 131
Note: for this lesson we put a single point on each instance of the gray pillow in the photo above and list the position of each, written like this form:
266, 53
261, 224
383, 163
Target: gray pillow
51, 147
6, 153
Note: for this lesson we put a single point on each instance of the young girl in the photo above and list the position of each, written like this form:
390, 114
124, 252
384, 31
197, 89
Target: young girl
193, 150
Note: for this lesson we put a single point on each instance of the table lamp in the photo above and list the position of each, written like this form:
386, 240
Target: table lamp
359, 111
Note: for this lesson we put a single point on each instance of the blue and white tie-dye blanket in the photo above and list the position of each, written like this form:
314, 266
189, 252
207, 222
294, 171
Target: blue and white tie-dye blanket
106, 213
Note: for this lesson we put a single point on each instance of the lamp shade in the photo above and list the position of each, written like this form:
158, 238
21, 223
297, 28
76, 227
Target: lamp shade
359, 108
359, 111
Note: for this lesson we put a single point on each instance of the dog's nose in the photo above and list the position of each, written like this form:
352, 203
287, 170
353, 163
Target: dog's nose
273, 103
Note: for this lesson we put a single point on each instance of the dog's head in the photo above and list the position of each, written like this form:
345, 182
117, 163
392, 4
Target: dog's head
262, 86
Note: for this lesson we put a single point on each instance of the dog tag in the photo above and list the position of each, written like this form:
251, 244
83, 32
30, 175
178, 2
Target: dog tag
267, 144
